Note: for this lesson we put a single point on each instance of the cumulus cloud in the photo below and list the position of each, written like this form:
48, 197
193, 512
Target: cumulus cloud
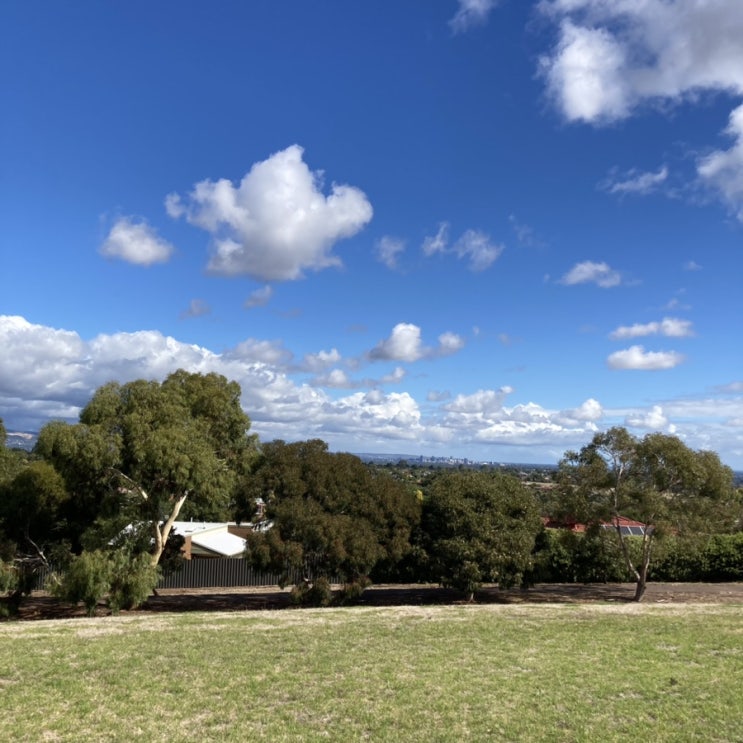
653, 419
471, 13
612, 56
50, 373
671, 327
405, 344
317, 362
135, 242
636, 357
196, 308
722, 170
589, 272
635, 182
388, 249
276, 223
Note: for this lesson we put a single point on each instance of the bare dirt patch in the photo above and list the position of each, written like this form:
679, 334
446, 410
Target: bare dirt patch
42, 606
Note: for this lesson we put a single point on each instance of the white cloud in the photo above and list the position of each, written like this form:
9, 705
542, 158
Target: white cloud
613, 55
388, 249
437, 243
635, 182
653, 419
589, 272
259, 297
276, 223
405, 344
477, 247
450, 343
671, 327
317, 362
50, 373
692, 266
474, 246
196, 308
722, 170
135, 242
636, 357
253, 350
471, 13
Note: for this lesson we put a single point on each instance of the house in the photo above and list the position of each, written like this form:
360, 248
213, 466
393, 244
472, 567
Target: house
210, 539
628, 527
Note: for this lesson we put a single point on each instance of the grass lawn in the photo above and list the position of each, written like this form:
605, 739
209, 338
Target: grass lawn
445, 673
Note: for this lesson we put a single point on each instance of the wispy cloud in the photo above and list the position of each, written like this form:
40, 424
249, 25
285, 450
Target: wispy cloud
471, 13
635, 182
259, 297
589, 272
474, 246
196, 308
388, 249
671, 327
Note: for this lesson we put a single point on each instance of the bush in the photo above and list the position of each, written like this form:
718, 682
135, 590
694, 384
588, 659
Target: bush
133, 578
317, 593
87, 579
125, 580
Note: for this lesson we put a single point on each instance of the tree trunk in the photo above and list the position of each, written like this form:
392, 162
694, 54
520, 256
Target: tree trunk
162, 534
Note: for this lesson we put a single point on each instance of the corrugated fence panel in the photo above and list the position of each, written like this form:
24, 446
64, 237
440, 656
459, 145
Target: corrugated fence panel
213, 572
217, 572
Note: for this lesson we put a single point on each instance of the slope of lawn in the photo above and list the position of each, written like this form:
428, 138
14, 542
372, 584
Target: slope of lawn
444, 673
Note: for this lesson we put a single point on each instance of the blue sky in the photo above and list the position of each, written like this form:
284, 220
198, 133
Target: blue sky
479, 228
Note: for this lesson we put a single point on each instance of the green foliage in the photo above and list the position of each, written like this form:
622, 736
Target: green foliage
124, 579
149, 449
478, 528
132, 580
333, 517
716, 558
656, 480
32, 505
316, 593
87, 579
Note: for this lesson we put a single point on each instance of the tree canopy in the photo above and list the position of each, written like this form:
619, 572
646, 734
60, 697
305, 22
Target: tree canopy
331, 515
150, 449
478, 527
656, 480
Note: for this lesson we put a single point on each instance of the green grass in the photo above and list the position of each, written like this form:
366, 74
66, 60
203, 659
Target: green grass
485, 673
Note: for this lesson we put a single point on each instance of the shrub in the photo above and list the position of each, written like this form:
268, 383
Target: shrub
87, 579
133, 578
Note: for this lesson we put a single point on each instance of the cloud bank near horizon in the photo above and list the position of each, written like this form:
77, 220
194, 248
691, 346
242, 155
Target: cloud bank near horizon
48, 373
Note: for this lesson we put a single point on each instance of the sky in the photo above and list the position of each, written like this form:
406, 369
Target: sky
471, 228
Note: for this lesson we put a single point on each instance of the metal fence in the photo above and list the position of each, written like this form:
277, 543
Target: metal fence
221, 572
212, 572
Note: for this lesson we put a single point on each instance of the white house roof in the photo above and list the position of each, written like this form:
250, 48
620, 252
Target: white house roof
211, 537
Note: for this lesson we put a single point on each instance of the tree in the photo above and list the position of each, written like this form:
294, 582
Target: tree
331, 515
31, 507
148, 450
656, 480
478, 527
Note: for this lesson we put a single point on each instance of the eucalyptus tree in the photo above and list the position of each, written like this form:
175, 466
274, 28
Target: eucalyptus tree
656, 480
153, 451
